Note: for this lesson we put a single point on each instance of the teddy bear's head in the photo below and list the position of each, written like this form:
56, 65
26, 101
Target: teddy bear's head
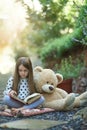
46, 80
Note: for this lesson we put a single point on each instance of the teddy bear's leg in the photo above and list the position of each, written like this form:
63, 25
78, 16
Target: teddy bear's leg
81, 100
69, 100
56, 104
62, 104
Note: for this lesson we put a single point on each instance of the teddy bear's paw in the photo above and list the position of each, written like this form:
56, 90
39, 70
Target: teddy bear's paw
69, 107
83, 96
69, 100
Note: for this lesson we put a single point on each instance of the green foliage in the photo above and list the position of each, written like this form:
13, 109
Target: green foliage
69, 69
39, 36
59, 47
82, 22
56, 19
20, 53
51, 20
52, 9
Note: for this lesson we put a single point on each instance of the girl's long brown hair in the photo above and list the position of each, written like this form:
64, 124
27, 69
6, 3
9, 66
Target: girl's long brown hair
26, 62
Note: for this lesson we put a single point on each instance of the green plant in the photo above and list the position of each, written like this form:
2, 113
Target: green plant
58, 48
69, 69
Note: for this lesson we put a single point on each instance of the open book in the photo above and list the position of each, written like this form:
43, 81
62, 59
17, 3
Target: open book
28, 100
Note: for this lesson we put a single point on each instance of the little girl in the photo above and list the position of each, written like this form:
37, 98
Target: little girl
22, 85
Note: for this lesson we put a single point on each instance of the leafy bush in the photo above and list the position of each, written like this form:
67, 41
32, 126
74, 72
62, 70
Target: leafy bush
59, 47
82, 22
69, 69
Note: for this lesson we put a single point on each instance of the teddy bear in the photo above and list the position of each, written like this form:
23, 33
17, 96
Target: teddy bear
46, 82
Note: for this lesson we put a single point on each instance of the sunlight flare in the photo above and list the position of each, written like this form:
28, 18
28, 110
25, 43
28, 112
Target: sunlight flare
6, 61
12, 23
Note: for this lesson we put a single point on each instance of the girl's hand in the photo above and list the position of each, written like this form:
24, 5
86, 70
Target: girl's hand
12, 93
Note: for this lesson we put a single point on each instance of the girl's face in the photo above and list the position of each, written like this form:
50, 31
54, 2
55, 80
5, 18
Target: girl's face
23, 72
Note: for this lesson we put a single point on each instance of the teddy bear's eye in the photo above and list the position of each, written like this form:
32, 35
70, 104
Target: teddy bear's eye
47, 82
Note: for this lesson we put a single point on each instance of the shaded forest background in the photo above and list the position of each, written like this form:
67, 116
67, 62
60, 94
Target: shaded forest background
55, 31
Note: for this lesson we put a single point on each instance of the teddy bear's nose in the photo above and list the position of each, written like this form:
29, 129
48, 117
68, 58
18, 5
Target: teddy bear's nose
50, 87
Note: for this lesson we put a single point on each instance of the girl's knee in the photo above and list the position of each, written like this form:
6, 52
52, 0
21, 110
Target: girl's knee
10, 102
6, 98
42, 99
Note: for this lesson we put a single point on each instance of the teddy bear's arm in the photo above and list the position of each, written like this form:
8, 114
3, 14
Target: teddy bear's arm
62, 92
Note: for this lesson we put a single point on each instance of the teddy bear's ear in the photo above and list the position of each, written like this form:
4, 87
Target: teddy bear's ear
59, 77
38, 69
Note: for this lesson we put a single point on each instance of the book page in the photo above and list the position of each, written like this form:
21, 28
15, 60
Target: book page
28, 100
34, 95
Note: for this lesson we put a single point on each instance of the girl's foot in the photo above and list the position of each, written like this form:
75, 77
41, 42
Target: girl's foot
16, 110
